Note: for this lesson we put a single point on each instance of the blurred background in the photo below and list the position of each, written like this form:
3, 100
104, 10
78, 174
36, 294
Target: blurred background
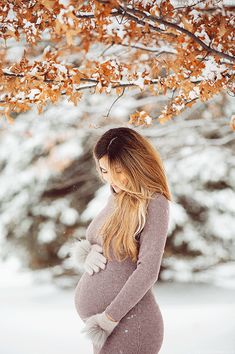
50, 191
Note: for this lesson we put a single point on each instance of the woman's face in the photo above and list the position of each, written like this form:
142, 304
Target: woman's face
106, 175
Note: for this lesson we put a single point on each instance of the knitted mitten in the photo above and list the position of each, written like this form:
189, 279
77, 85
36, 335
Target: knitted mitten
98, 327
79, 251
88, 257
95, 260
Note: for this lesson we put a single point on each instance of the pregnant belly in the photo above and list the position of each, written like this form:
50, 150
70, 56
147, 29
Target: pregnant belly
94, 293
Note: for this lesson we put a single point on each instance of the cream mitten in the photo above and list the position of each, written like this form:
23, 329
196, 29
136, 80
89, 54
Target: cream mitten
87, 256
79, 251
98, 327
95, 260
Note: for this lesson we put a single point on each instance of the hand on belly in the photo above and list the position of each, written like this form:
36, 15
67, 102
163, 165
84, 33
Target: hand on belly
95, 260
94, 293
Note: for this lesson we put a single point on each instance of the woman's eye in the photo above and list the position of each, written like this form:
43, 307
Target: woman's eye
119, 171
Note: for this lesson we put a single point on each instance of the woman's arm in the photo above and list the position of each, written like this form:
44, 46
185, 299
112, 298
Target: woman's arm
152, 243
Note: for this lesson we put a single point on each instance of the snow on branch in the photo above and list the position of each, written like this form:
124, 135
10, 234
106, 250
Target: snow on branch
111, 46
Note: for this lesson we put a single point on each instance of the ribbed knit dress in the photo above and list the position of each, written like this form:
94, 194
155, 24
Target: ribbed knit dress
124, 288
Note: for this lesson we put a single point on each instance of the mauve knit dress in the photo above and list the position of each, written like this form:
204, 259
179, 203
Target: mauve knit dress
124, 288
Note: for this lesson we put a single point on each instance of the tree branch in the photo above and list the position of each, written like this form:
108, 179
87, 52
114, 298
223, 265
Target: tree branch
115, 102
131, 12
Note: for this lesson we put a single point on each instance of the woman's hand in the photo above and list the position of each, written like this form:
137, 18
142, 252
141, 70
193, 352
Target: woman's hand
98, 327
88, 256
95, 260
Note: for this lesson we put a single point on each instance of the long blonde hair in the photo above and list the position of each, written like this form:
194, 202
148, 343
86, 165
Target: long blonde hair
142, 165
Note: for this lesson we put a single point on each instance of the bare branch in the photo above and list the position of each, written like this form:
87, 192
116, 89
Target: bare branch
115, 102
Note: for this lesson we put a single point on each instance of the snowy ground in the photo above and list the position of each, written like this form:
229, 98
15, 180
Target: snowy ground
41, 319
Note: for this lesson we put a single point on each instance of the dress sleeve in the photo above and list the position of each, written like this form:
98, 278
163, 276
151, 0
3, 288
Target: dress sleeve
151, 249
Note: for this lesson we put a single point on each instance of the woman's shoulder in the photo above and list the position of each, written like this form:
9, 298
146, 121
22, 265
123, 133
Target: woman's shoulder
158, 196
158, 200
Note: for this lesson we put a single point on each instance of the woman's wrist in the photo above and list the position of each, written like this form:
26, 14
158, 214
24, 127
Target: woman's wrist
110, 318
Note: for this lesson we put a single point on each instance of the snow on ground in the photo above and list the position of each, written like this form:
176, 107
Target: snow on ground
40, 318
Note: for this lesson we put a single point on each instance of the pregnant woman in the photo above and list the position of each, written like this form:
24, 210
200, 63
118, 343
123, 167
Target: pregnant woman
123, 248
